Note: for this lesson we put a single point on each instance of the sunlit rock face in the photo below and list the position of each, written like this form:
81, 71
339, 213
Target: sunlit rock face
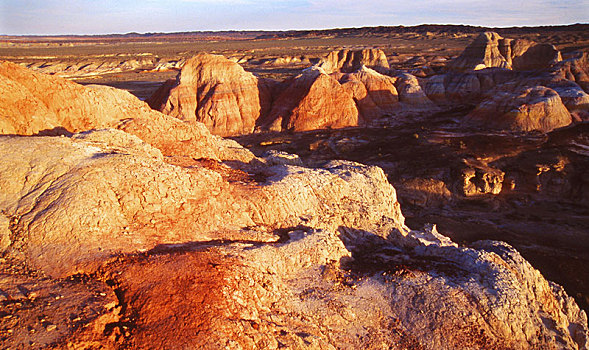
313, 100
32, 102
35, 103
169, 246
525, 109
490, 50
217, 92
351, 60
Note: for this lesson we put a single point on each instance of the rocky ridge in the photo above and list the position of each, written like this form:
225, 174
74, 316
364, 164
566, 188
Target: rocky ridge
314, 99
276, 255
491, 66
490, 50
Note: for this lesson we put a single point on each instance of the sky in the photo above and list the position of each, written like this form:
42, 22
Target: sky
43, 17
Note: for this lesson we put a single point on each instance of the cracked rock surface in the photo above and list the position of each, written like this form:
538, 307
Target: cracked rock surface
134, 237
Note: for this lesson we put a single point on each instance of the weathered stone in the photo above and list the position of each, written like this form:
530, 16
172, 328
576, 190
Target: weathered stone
536, 108
351, 60
313, 100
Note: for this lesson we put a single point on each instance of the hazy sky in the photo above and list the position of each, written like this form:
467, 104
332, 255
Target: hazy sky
122, 16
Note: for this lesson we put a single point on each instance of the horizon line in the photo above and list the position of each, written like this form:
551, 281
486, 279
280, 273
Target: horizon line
296, 30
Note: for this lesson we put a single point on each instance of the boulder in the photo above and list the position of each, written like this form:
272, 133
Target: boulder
310, 101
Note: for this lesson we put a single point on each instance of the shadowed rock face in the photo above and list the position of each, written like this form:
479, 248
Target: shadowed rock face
375, 94
482, 53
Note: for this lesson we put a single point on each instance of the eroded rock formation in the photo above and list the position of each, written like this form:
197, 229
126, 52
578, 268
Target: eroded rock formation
490, 50
167, 245
217, 92
352, 60
375, 94
536, 108
313, 100
37, 104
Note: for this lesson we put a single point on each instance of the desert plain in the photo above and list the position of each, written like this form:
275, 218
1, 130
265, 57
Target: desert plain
388, 187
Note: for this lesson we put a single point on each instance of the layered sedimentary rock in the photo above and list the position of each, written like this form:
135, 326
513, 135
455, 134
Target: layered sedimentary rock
351, 60
167, 251
375, 94
483, 52
96, 66
32, 102
35, 103
412, 95
526, 109
217, 92
575, 69
312, 100
490, 50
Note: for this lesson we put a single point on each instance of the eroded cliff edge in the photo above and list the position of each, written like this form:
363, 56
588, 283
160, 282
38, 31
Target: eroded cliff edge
143, 231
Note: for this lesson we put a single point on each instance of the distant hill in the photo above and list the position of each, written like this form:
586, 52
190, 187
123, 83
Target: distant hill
265, 35
421, 29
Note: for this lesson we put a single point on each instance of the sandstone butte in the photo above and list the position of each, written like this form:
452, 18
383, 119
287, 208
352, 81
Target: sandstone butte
143, 231
312, 100
348, 61
217, 92
489, 50
358, 88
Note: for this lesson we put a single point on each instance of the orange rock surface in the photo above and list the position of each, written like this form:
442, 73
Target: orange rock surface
313, 100
217, 92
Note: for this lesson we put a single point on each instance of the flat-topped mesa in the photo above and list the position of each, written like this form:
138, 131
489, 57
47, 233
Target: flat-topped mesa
312, 100
490, 50
352, 60
217, 92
